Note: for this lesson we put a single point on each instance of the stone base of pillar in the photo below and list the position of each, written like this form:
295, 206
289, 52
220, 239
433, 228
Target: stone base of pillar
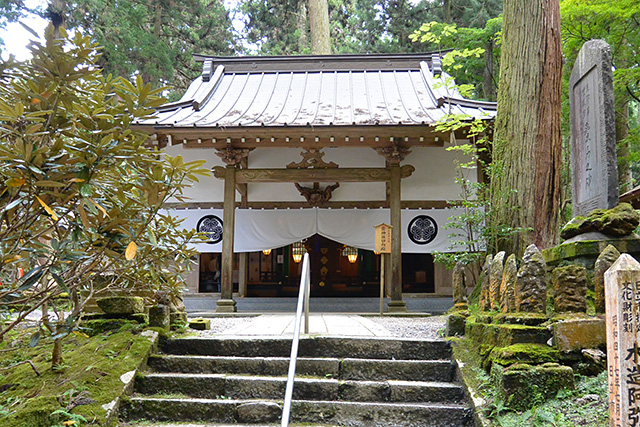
226, 306
397, 306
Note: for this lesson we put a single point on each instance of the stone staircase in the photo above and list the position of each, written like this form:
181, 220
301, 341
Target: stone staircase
339, 381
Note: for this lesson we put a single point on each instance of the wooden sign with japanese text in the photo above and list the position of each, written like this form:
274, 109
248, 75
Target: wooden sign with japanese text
622, 299
383, 239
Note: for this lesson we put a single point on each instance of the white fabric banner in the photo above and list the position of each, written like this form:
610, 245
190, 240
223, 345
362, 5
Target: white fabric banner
255, 229
352, 227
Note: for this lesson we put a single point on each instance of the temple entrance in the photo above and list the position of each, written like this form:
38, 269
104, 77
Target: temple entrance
334, 274
276, 273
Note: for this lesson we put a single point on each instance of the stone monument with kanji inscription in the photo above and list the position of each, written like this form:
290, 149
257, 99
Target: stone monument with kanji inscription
593, 135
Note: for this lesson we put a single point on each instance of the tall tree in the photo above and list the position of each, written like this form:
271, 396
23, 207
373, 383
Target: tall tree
152, 38
527, 145
155, 38
319, 25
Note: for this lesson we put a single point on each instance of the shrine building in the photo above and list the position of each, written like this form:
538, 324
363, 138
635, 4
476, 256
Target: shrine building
309, 154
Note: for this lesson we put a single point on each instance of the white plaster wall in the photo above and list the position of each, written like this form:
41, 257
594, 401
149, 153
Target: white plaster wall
434, 177
357, 158
432, 180
209, 188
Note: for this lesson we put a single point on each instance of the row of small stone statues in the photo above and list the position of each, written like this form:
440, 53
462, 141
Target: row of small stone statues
509, 289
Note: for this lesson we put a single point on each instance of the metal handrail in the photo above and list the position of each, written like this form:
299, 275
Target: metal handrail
303, 301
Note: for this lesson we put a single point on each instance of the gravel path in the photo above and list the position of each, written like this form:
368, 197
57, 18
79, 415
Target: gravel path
401, 327
413, 327
222, 324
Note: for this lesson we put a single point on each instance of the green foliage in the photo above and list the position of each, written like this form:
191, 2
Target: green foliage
618, 23
89, 380
69, 418
357, 26
584, 406
80, 193
476, 229
471, 54
154, 39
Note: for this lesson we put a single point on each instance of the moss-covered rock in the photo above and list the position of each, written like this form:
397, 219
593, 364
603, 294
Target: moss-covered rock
522, 386
577, 225
586, 252
529, 319
616, 222
98, 326
456, 323
200, 324
121, 305
620, 221
533, 354
159, 316
178, 319
503, 335
578, 334
570, 289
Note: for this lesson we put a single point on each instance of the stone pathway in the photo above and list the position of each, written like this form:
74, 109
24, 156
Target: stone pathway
344, 325
319, 324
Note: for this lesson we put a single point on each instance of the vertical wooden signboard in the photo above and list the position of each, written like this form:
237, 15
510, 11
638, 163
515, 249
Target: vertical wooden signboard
622, 295
383, 246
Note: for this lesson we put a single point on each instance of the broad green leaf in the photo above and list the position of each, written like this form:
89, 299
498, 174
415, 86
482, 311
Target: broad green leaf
34, 339
11, 205
15, 182
100, 208
49, 184
31, 278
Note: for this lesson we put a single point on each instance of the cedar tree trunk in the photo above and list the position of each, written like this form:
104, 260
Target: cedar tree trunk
527, 148
319, 24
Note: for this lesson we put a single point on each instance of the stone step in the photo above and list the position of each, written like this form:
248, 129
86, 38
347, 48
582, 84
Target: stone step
370, 348
343, 369
352, 414
180, 424
221, 386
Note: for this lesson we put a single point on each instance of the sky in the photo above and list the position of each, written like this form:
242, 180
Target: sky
16, 37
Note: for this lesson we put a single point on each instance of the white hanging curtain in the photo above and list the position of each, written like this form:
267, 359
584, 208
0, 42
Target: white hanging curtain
351, 227
422, 231
256, 230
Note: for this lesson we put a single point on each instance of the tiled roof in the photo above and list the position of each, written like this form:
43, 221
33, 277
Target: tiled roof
339, 90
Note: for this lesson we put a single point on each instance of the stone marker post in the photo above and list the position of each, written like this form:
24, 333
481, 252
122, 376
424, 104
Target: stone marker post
622, 290
593, 133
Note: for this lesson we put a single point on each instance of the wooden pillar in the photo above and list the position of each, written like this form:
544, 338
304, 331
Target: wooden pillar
243, 257
226, 303
387, 279
396, 304
243, 271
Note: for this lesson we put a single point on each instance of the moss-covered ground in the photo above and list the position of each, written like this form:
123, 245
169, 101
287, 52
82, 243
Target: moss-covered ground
74, 394
585, 406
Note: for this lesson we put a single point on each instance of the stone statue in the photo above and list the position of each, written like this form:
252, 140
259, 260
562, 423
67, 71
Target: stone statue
484, 302
459, 284
531, 285
508, 285
604, 261
570, 288
316, 195
495, 280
